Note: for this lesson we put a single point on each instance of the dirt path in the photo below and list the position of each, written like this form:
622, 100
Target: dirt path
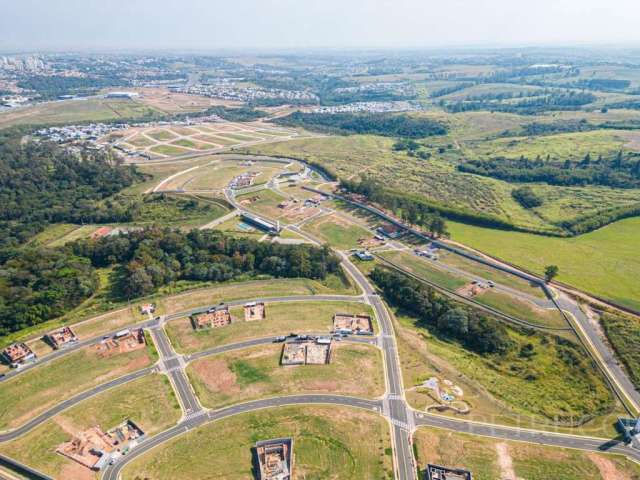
607, 468
505, 462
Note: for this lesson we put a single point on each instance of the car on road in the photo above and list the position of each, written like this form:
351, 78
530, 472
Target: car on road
280, 339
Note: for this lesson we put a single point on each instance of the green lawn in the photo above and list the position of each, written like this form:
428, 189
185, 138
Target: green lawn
604, 262
328, 443
424, 269
148, 401
337, 232
32, 392
282, 318
482, 456
254, 373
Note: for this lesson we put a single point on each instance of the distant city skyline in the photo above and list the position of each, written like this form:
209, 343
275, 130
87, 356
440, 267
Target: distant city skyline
200, 25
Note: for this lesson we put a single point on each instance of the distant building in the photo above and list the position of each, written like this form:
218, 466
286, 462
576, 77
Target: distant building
254, 311
364, 255
350, 323
215, 317
128, 95
390, 231
265, 225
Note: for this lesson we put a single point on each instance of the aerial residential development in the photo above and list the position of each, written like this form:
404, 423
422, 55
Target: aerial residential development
278, 240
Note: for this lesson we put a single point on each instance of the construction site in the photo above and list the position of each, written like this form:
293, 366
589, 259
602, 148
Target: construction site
312, 352
215, 317
61, 338
122, 342
94, 449
254, 311
275, 459
436, 472
348, 323
18, 354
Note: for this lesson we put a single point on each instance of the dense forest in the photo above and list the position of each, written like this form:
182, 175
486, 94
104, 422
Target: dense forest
40, 284
41, 183
570, 100
391, 125
617, 172
479, 333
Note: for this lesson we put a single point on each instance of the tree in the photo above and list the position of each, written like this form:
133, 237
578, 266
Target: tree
550, 272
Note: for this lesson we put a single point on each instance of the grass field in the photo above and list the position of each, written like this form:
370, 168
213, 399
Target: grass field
169, 150
282, 318
336, 231
42, 387
255, 373
603, 262
329, 443
490, 459
148, 401
438, 180
263, 202
76, 111
623, 332
161, 135
543, 391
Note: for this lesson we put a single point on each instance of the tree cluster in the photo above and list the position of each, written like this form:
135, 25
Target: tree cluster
616, 172
478, 333
385, 124
42, 183
526, 197
569, 100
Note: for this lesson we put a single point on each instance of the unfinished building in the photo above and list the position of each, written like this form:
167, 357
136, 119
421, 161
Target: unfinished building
18, 354
94, 448
254, 311
352, 323
316, 352
61, 338
275, 459
215, 317
436, 472
122, 342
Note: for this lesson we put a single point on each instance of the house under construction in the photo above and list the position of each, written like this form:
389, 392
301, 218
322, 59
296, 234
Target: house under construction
122, 342
61, 338
275, 459
215, 317
352, 323
316, 352
436, 472
94, 448
254, 311
18, 354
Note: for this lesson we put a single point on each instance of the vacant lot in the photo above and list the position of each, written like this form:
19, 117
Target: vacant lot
282, 318
536, 391
148, 401
256, 373
490, 459
337, 231
329, 442
72, 111
34, 391
603, 262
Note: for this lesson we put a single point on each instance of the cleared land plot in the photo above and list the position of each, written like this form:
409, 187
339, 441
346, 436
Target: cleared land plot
241, 137
140, 141
604, 262
490, 459
216, 139
263, 202
337, 231
32, 392
161, 135
256, 373
282, 318
329, 442
169, 150
425, 269
522, 309
72, 111
148, 401
542, 391
209, 139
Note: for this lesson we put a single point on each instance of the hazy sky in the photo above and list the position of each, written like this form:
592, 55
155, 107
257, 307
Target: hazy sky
216, 24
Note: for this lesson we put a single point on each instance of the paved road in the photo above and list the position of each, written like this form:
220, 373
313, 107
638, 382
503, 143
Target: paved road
113, 471
23, 470
532, 436
70, 402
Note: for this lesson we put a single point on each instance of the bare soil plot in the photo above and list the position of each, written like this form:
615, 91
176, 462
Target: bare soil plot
282, 318
162, 135
169, 150
355, 369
